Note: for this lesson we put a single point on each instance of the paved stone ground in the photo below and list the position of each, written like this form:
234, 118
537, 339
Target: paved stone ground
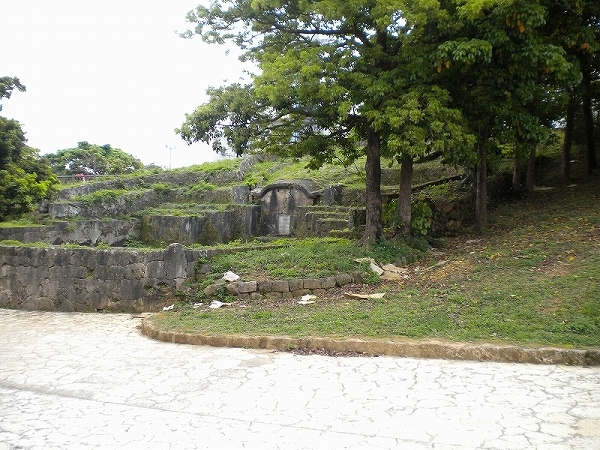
71, 381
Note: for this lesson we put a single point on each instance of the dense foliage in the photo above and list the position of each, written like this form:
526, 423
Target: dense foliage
90, 159
7, 85
342, 79
25, 178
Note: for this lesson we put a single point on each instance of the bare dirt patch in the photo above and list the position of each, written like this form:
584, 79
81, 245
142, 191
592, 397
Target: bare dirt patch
447, 270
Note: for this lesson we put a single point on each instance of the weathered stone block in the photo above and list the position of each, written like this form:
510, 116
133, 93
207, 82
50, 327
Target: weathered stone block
131, 289
332, 195
328, 283
300, 292
66, 306
175, 261
240, 194
136, 270
43, 304
156, 269
241, 287
265, 286
211, 289
311, 283
248, 286
342, 279
295, 285
357, 278
117, 272
280, 286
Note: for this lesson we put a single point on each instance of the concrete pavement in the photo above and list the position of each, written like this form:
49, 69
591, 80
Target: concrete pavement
92, 381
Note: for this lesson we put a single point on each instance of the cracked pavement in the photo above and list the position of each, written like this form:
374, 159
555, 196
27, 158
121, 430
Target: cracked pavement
92, 381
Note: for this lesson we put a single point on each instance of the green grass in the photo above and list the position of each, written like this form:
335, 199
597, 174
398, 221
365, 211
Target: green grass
14, 243
532, 278
213, 166
21, 223
182, 209
306, 258
198, 188
103, 195
267, 172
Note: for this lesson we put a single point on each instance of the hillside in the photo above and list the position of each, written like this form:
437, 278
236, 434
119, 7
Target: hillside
532, 278
225, 201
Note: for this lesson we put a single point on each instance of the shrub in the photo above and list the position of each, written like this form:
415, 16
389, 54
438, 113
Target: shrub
103, 195
20, 192
420, 219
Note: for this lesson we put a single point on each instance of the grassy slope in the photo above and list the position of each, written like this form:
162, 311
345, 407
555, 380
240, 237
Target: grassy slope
532, 278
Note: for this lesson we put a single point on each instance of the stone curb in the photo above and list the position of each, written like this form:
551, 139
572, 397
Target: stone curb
403, 348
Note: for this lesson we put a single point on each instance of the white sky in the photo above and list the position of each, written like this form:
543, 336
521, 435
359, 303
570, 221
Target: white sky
109, 72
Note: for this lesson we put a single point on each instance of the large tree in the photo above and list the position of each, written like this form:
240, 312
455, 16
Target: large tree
12, 137
12, 141
499, 63
423, 126
359, 77
7, 85
93, 159
25, 177
576, 26
333, 81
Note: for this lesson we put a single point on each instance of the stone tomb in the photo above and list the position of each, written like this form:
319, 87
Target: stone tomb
279, 203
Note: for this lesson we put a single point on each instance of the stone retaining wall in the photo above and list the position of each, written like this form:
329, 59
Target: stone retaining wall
83, 232
115, 279
206, 228
281, 289
146, 182
81, 279
122, 206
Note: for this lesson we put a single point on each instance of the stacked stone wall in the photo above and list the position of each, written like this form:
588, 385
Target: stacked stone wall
281, 289
146, 182
83, 232
81, 279
207, 228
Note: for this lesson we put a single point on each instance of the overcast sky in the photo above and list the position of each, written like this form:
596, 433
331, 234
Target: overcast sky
109, 72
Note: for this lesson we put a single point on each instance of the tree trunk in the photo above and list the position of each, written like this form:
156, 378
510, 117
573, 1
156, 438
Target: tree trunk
568, 141
516, 179
588, 119
374, 225
530, 178
405, 193
481, 191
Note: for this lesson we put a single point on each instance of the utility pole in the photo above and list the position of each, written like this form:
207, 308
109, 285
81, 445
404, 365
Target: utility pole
170, 147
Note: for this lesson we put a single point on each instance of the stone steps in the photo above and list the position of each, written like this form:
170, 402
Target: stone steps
322, 220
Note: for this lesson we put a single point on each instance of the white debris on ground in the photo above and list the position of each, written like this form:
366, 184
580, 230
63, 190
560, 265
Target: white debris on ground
364, 296
388, 271
374, 266
216, 304
230, 276
306, 299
